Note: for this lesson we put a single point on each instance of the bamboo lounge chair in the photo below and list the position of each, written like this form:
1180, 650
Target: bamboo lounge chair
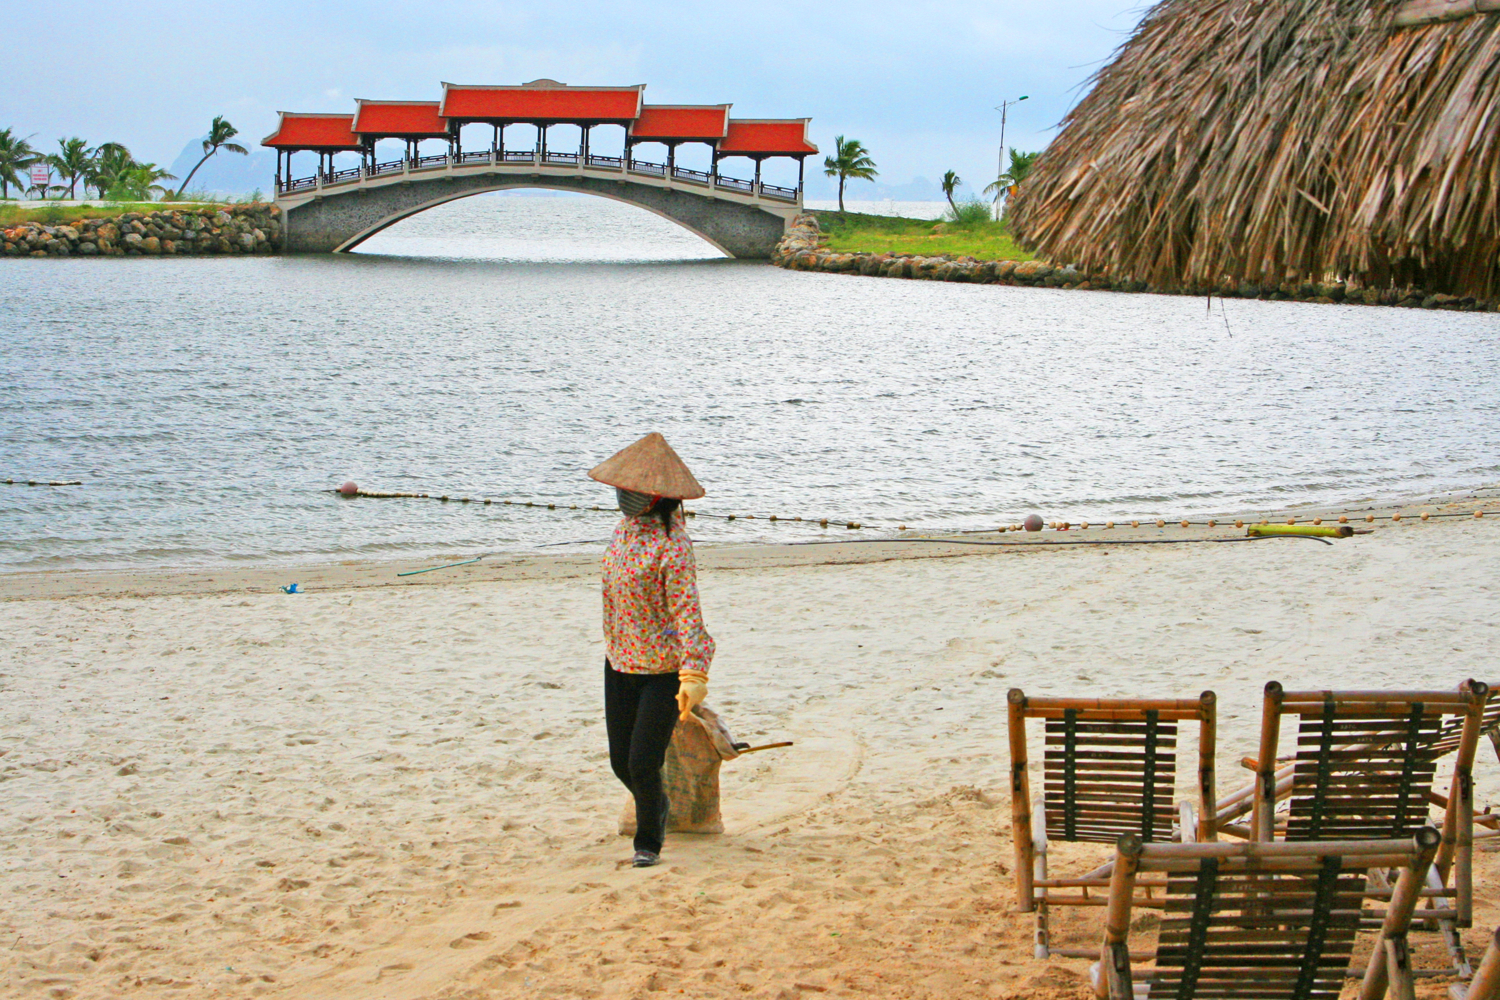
1109, 768
1263, 921
1364, 768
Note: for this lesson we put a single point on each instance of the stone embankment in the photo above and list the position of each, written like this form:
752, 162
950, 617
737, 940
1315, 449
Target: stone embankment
232, 229
801, 249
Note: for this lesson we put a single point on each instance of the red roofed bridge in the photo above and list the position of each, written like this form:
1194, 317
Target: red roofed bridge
337, 209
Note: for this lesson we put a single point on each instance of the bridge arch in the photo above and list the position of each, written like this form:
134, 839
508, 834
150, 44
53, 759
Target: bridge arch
340, 217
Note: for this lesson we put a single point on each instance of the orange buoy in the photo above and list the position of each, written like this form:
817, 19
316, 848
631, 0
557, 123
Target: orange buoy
1184, 524
1317, 520
1369, 518
1343, 519
1396, 516
1212, 523
1160, 523
1425, 515
1109, 524
1239, 524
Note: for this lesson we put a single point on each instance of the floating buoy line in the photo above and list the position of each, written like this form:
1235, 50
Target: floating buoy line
43, 482
1396, 516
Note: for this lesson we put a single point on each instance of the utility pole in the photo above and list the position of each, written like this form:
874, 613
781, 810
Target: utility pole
1000, 159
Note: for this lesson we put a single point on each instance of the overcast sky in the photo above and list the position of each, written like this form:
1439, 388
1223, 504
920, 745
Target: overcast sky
916, 82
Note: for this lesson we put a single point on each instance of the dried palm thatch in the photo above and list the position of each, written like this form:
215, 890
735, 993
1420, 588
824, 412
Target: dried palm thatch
1282, 140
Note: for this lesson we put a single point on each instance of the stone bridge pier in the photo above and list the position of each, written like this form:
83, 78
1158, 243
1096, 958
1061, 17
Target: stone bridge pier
342, 216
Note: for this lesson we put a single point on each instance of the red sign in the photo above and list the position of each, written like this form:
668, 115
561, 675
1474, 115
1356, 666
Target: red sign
40, 174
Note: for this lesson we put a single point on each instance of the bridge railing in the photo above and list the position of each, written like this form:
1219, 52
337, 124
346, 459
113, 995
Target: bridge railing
691, 176
530, 156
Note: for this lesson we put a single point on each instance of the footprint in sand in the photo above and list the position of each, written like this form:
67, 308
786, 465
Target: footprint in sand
470, 940
395, 969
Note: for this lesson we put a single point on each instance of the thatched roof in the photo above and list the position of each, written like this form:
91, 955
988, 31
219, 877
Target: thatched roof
1276, 140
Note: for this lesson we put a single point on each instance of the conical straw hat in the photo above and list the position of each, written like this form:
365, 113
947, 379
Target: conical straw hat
649, 466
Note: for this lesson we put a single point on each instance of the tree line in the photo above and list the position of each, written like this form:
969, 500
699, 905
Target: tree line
109, 168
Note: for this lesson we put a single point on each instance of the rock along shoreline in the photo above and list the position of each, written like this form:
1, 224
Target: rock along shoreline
801, 249
230, 229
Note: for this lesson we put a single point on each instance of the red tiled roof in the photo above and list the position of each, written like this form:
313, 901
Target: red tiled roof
767, 137
702, 122
312, 131
400, 118
543, 104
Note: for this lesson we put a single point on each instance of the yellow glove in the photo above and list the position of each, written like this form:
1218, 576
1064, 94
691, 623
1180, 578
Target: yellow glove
692, 686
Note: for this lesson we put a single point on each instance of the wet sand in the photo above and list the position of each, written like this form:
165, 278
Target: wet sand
397, 787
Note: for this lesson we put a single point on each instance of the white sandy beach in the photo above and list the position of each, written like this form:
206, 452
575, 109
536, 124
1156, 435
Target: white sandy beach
217, 790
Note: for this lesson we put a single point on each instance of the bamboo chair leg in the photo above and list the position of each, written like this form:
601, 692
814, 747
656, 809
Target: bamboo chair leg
1187, 822
1039, 873
1449, 929
1486, 982
1403, 985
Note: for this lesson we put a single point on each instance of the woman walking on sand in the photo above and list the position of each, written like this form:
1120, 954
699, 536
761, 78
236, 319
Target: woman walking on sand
657, 650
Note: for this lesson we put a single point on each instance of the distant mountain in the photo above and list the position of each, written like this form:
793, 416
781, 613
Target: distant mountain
230, 174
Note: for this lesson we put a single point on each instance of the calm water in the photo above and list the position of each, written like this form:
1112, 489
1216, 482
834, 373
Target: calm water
501, 346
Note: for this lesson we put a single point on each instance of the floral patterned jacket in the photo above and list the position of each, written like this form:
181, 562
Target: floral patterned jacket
653, 622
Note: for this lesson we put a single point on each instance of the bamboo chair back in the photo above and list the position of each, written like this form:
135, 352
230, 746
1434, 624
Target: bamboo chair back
1258, 921
1450, 734
1109, 768
1364, 767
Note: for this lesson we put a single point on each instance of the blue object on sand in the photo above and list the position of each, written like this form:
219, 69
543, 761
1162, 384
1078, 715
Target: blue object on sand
290, 588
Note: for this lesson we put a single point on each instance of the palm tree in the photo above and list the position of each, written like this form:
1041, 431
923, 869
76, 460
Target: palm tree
219, 134
140, 181
1020, 166
851, 159
111, 162
16, 155
951, 181
72, 162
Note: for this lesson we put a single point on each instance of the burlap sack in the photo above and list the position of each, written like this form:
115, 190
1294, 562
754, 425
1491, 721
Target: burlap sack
690, 775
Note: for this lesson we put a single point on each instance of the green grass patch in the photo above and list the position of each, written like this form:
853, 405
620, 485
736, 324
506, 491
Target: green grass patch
12, 212
982, 238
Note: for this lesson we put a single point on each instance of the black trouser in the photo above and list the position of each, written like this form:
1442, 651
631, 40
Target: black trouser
640, 711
